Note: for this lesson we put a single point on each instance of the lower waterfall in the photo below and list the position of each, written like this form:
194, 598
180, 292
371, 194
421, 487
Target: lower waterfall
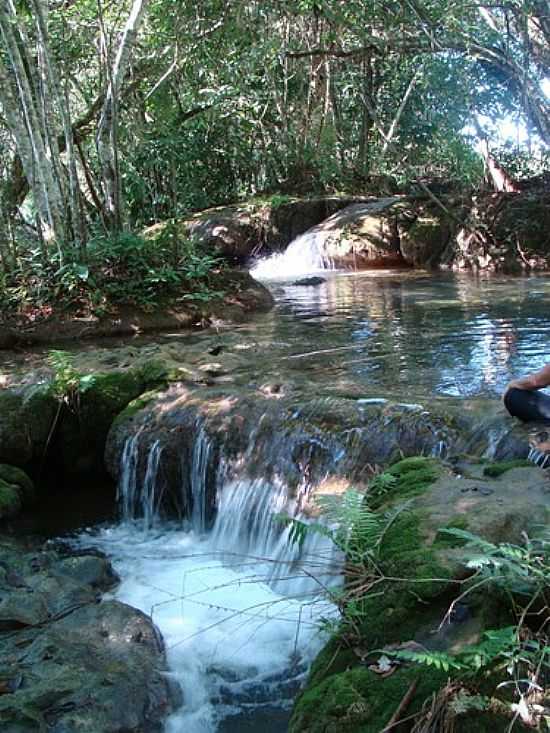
238, 613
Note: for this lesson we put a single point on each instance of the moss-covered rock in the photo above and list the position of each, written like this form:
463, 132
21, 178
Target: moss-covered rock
421, 573
11, 499
16, 477
415, 592
423, 242
494, 470
406, 478
83, 430
26, 421
361, 701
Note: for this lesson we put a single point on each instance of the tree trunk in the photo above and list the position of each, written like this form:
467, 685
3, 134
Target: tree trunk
106, 138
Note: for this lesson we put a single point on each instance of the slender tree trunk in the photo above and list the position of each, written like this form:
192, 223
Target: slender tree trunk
59, 98
501, 179
106, 138
29, 123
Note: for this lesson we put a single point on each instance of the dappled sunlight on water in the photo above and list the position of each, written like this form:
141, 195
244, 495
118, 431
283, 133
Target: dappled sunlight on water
384, 332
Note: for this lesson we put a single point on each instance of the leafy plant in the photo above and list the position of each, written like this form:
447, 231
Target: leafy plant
514, 658
520, 571
351, 526
66, 378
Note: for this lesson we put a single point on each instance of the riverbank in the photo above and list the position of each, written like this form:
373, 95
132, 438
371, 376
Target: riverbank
231, 296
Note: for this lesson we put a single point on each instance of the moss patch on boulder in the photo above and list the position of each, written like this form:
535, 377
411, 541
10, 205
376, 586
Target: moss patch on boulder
360, 701
10, 500
494, 470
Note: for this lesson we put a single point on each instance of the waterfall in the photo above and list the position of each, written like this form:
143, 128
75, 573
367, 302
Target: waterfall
303, 255
233, 597
139, 500
201, 457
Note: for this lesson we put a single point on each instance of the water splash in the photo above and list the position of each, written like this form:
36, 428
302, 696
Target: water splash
304, 255
233, 602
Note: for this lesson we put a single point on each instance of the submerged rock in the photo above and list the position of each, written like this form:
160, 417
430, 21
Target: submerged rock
70, 662
314, 280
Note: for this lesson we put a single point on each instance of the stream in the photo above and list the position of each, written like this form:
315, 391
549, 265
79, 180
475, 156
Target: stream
239, 614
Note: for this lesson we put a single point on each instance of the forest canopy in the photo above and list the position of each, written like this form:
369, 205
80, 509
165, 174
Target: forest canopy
115, 115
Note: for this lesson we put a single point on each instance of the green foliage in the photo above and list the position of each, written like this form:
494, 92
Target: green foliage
278, 200
66, 379
120, 269
494, 470
517, 570
512, 662
350, 525
498, 647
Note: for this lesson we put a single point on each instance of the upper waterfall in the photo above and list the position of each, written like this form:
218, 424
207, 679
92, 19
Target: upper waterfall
359, 236
303, 255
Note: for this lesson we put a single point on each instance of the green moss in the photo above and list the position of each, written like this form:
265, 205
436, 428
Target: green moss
396, 608
412, 476
153, 371
335, 657
360, 701
494, 470
25, 422
447, 540
17, 477
136, 406
83, 430
10, 499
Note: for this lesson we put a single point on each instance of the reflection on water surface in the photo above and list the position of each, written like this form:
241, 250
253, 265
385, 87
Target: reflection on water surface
399, 332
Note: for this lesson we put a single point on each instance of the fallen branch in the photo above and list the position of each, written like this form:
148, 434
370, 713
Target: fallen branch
403, 705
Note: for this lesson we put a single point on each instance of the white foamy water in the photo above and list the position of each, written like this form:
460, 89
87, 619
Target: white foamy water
236, 605
303, 256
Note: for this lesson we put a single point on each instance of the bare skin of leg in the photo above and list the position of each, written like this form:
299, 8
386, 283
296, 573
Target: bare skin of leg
544, 447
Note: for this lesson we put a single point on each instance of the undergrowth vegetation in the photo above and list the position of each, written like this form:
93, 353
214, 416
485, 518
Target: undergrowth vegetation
119, 269
504, 673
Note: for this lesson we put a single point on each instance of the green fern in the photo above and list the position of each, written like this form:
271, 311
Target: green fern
439, 660
522, 570
66, 378
353, 528
496, 646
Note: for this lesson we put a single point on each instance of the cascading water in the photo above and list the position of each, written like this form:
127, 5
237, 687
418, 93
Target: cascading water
304, 255
232, 603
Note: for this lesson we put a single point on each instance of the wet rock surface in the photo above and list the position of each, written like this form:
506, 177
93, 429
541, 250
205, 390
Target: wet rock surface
497, 232
305, 435
239, 231
69, 660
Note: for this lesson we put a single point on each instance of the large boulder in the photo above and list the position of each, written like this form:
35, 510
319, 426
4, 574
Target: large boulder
70, 662
286, 434
54, 428
239, 231
353, 686
27, 418
361, 235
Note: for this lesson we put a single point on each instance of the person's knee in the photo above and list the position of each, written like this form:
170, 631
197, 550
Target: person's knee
513, 400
